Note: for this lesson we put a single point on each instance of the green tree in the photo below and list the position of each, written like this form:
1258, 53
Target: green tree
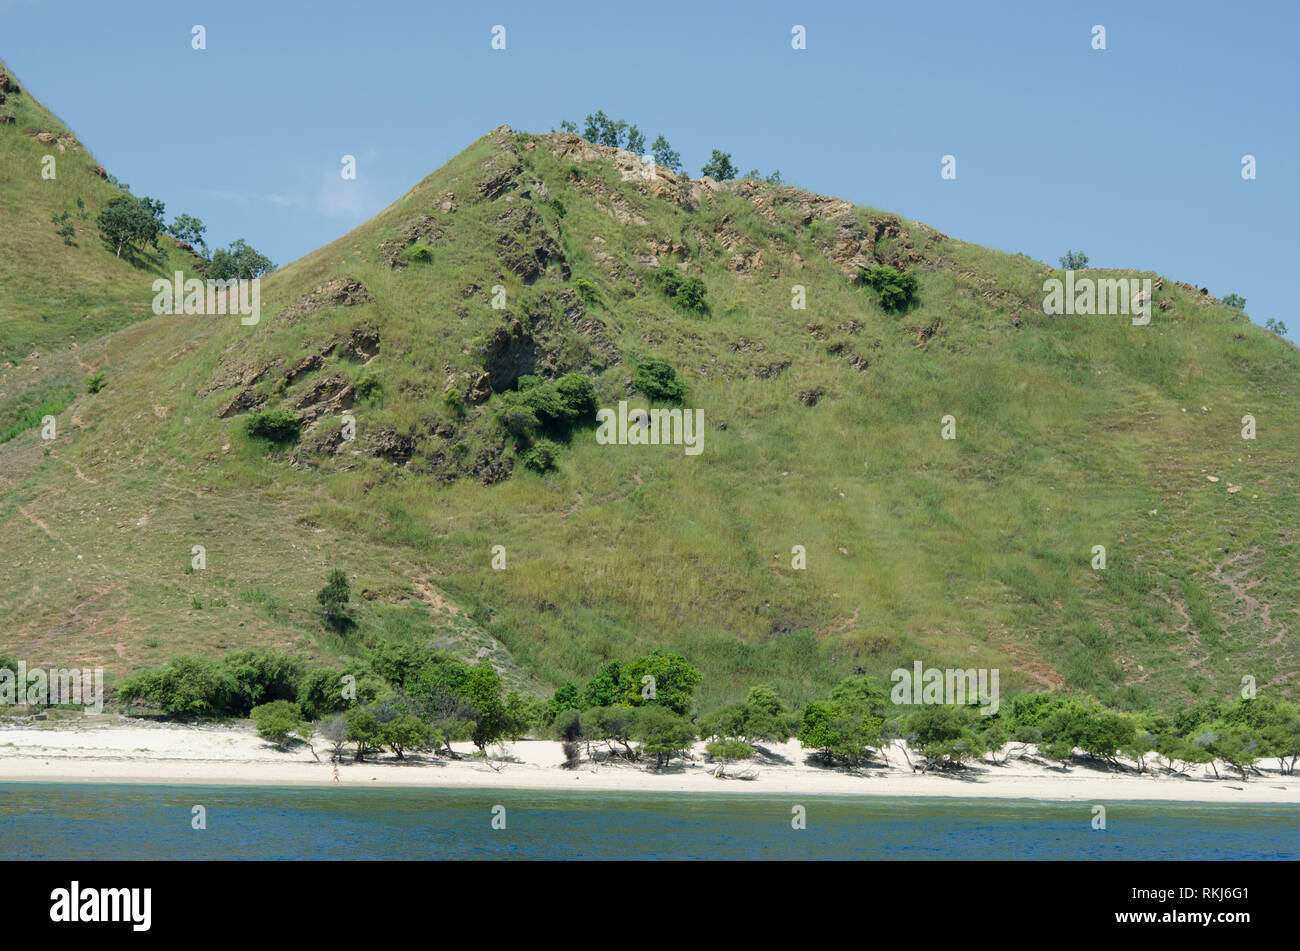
275, 426
842, 734
333, 599
945, 734
635, 140
407, 732
257, 676
605, 687
727, 751
1073, 261
238, 262
189, 229
661, 733
365, 730
686, 292
664, 154
594, 130
660, 678
1235, 301
612, 724
719, 167
276, 720
1103, 735
185, 687
128, 221
482, 692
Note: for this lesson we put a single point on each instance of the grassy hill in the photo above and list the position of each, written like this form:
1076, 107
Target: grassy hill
822, 430
61, 291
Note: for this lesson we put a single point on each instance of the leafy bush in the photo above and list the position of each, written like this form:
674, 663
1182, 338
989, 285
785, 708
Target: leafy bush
539, 457
586, 289
369, 387
685, 291
1073, 261
658, 380
719, 166
95, 382
897, 289
333, 598
1235, 301
418, 254
578, 396
276, 720
276, 426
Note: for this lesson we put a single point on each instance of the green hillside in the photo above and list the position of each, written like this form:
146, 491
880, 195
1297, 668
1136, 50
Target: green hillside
822, 429
61, 291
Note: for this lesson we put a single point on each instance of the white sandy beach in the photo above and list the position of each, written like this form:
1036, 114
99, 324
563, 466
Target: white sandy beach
110, 749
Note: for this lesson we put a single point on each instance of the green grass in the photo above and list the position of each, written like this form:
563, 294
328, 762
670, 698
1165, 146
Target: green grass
974, 551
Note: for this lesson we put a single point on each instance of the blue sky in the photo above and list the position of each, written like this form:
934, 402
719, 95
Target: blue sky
1132, 154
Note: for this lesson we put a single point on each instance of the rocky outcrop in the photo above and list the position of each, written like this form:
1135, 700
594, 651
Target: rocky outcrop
245, 400
558, 337
525, 245
339, 292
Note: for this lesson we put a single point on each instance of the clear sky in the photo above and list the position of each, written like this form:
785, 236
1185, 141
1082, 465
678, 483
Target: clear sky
1132, 154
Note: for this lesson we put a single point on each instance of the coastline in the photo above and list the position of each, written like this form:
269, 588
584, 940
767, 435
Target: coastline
140, 752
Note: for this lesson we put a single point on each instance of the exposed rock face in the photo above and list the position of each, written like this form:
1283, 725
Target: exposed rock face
245, 400
810, 397
389, 445
559, 337
524, 244
362, 345
771, 370
323, 390
339, 292
510, 353
308, 364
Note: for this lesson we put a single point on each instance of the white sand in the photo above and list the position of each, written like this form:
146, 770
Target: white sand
109, 749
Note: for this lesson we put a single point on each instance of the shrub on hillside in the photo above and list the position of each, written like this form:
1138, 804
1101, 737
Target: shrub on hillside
897, 289
276, 426
687, 292
539, 457
657, 379
333, 599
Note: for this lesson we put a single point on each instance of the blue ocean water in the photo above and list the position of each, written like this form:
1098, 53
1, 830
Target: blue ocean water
131, 821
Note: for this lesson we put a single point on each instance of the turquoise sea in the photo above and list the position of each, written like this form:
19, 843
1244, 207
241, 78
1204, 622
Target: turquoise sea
84, 821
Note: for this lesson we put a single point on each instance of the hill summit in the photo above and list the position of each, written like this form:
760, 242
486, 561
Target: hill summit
903, 456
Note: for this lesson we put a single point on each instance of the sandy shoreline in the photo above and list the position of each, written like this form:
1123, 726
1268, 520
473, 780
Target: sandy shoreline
126, 751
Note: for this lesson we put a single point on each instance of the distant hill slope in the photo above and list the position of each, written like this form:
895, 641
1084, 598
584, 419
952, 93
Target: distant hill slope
57, 293
822, 430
